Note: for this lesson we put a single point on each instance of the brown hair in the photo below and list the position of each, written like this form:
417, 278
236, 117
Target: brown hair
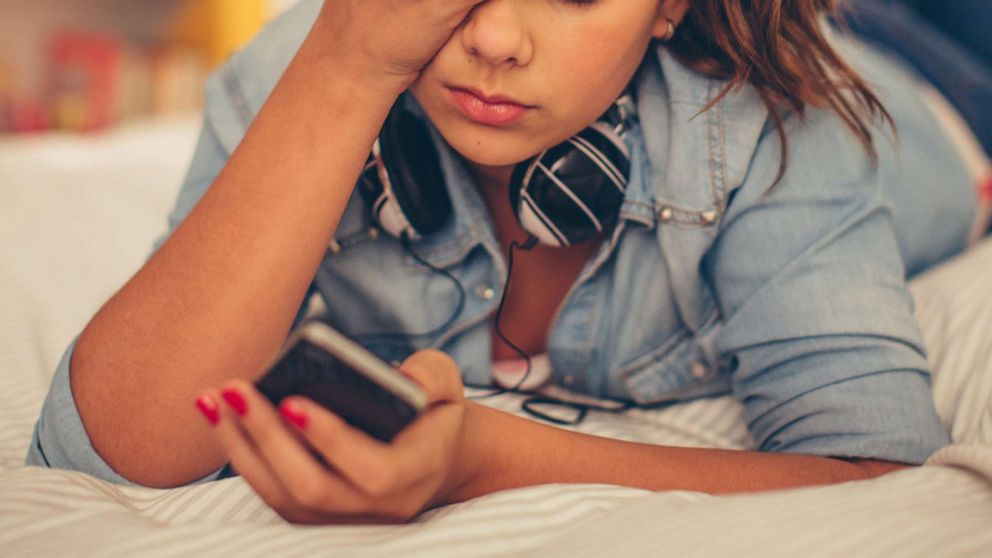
779, 48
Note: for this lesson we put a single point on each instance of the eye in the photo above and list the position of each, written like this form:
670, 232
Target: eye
580, 2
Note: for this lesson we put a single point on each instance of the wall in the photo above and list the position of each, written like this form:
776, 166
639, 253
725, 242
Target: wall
25, 26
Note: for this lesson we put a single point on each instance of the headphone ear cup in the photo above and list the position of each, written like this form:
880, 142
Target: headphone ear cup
412, 170
573, 191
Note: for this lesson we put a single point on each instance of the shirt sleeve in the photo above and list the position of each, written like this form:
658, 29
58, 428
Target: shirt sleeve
826, 356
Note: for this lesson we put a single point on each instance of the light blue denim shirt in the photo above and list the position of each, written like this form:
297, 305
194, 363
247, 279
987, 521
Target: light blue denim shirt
794, 299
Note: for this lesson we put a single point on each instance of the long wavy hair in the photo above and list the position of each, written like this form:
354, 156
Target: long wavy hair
779, 48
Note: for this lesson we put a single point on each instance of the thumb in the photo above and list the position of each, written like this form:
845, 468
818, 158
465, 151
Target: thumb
437, 373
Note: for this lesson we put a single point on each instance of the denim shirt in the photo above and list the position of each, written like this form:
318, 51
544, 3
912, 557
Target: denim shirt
792, 299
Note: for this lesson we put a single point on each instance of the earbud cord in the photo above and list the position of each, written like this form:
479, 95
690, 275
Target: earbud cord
527, 245
393, 337
405, 240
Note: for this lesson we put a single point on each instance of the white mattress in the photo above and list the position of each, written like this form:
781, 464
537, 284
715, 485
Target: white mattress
77, 218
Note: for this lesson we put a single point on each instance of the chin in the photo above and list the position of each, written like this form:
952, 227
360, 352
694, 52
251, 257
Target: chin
491, 152
489, 158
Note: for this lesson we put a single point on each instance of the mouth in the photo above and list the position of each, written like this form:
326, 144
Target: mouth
490, 110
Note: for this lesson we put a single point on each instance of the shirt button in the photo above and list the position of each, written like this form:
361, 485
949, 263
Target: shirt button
699, 371
568, 380
485, 292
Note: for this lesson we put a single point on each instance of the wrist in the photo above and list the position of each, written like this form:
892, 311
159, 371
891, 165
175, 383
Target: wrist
472, 462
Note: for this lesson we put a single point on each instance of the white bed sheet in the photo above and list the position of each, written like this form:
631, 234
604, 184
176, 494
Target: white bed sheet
78, 217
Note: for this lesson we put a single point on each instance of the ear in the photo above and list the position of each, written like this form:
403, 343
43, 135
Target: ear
669, 11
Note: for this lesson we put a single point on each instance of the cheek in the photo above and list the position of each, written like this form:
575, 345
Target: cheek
592, 66
601, 51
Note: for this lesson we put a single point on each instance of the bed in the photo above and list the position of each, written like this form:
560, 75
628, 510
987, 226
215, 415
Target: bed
77, 218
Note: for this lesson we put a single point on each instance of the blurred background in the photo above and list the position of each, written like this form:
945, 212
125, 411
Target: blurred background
100, 109
88, 65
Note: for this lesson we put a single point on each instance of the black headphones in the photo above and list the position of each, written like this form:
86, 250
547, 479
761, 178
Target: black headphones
565, 195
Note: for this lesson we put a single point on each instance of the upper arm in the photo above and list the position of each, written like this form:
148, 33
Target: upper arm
817, 316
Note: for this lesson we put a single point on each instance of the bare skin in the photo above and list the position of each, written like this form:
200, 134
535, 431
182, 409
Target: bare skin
214, 304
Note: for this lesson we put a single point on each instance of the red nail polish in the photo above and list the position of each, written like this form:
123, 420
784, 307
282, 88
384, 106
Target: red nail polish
235, 400
294, 415
208, 408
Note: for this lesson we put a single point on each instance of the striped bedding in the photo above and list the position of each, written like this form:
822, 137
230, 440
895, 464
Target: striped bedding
941, 509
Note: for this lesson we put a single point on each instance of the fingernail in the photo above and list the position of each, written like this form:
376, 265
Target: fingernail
293, 414
235, 400
209, 408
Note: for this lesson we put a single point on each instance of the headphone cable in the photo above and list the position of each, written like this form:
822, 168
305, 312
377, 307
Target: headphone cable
527, 245
405, 240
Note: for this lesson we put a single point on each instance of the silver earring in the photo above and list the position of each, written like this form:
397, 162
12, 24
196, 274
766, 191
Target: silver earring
670, 32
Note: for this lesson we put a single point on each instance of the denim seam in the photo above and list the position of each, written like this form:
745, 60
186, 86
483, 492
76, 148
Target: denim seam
684, 217
589, 346
234, 92
656, 354
449, 254
716, 152
488, 309
721, 193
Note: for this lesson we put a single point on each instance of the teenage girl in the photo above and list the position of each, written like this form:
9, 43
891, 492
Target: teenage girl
754, 189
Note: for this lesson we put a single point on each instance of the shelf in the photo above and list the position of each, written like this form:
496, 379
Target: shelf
136, 29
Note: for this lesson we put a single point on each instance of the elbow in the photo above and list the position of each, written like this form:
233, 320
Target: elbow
123, 440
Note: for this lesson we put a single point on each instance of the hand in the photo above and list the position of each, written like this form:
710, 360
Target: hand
391, 38
311, 467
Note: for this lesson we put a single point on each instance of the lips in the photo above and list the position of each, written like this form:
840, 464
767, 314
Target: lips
491, 110
491, 99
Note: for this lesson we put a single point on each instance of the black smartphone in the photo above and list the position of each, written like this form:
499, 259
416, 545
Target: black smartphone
324, 365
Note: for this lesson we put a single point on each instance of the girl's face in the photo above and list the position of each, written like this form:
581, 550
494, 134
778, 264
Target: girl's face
561, 62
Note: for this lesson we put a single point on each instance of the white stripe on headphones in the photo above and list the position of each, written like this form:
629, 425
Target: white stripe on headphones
568, 192
613, 135
390, 214
596, 157
537, 223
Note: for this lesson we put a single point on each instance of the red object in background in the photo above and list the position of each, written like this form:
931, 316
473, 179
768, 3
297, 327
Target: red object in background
85, 73
985, 189
27, 116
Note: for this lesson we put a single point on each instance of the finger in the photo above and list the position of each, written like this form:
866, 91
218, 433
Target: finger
371, 465
256, 472
242, 453
306, 481
437, 373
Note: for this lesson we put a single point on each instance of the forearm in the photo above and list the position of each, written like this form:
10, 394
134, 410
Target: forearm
502, 451
217, 299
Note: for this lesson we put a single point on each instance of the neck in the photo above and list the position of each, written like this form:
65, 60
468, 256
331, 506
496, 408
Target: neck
491, 178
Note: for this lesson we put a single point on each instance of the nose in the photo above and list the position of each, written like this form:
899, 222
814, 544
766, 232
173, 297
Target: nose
494, 32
